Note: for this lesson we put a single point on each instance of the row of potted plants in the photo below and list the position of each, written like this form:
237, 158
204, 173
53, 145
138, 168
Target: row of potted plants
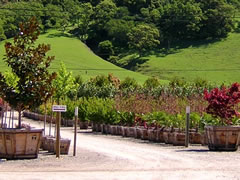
161, 135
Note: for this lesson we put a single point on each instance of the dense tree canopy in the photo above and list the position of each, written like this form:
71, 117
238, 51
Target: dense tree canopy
96, 21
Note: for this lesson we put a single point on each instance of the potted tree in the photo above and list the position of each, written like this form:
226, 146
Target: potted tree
32, 88
222, 130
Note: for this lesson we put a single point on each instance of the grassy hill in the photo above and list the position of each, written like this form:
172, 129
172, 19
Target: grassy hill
217, 61
77, 57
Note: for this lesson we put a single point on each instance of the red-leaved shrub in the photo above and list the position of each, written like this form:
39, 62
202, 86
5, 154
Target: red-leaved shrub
223, 102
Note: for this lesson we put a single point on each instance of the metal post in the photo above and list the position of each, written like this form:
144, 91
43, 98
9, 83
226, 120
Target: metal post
12, 118
9, 120
75, 131
45, 118
58, 135
187, 126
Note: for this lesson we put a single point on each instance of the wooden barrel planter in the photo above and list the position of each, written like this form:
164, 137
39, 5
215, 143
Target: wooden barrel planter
178, 138
195, 138
131, 131
64, 146
119, 130
113, 130
144, 134
20, 143
138, 133
125, 131
160, 138
168, 136
83, 124
223, 138
152, 135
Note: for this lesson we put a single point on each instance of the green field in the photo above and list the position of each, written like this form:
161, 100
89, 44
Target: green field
217, 61
78, 58
214, 61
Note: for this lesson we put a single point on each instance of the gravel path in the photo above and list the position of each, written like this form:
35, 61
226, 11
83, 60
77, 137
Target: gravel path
106, 157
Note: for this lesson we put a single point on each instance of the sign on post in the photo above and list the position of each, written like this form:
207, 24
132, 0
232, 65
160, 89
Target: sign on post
59, 108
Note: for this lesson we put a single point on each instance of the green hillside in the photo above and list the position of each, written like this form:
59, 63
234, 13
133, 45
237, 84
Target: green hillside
78, 58
215, 61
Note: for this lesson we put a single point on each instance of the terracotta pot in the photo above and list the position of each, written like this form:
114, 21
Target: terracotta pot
223, 138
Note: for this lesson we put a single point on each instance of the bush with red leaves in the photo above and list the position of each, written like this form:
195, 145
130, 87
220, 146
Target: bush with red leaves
223, 102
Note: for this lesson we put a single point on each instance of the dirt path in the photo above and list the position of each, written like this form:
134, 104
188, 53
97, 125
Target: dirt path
113, 157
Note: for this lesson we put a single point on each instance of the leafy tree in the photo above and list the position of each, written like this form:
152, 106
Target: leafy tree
64, 83
2, 35
151, 83
143, 37
180, 20
12, 18
128, 83
104, 11
105, 49
118, 29
82, 19
217, 19
29, 64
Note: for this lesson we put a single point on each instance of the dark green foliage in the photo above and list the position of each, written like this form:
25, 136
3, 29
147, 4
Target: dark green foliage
105, 49
129, 84
217, 19
151, 83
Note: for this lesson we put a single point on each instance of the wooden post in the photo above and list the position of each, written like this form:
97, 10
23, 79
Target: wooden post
58, 135
75, 131
187, 126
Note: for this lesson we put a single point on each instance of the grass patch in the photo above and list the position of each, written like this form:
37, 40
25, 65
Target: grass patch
78, 58
215, 61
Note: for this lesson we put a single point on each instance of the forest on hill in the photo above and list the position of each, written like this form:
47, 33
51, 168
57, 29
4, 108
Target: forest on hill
112, 27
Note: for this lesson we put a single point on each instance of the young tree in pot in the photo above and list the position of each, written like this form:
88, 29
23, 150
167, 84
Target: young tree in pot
29, 64
223, 107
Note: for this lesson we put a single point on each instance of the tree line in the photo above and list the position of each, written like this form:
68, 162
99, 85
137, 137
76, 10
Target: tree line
110, 27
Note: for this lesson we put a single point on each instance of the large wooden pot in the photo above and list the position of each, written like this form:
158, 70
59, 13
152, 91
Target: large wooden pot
20, 143
223, 138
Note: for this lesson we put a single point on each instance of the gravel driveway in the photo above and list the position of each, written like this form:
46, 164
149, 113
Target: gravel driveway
106, 157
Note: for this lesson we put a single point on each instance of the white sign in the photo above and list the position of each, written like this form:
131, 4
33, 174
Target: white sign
188, 109
76, 111
59, 108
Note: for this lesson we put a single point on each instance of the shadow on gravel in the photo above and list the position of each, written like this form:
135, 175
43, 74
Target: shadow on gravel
193, 150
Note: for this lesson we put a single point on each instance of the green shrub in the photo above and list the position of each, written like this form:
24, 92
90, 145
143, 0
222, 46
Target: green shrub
97, 110
129, 84
151, 83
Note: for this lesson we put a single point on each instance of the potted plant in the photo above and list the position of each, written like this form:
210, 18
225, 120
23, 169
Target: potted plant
222, 130
30, 87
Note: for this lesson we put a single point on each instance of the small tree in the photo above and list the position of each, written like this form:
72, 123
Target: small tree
143, 37
64, 83
29, 64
